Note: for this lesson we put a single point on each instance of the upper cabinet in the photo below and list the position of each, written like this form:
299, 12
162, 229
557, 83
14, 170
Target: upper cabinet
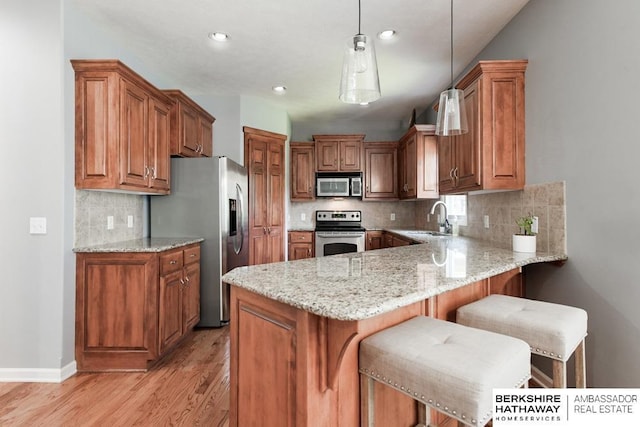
338, 153
418, 163
122, 129
302, 171
491, 156
381, 170
191, 127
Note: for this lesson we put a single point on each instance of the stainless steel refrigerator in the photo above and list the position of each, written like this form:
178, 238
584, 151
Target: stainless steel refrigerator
208, 199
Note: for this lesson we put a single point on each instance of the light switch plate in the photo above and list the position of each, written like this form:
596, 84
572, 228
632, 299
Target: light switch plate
130, 221
393, 217
303, 216
485, 221
110, 222
534, 225
38, 225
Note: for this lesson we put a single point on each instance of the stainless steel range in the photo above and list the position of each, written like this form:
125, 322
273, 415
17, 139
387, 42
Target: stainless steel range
339, 232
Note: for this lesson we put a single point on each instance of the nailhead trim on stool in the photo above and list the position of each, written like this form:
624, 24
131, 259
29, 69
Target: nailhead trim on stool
446, 366
551, 330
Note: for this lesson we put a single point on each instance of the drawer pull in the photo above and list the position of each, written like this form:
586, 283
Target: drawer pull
173, 261
192, 256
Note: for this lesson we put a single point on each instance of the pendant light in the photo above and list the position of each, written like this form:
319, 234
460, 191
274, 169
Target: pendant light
359, 83
452, 115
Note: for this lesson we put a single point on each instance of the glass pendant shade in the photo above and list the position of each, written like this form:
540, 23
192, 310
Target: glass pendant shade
452, 115
359, 83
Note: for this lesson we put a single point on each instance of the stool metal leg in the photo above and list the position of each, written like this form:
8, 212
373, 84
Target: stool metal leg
581, 370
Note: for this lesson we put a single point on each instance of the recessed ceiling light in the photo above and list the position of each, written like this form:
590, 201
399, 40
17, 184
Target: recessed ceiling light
386, 34
279, 89
219, 37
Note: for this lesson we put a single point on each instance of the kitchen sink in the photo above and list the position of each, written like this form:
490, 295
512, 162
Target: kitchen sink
428, 233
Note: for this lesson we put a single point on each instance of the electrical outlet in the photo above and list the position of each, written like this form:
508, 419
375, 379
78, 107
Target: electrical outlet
110, 222
485, 221
130, 221
393, 217
38, 225
534, 225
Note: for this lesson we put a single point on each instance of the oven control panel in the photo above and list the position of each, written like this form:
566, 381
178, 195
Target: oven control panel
338, 216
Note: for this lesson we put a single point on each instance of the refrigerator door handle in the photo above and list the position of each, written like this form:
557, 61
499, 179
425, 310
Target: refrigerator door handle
239, 238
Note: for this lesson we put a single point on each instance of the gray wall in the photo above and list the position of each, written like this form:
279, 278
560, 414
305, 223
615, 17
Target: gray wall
580, 113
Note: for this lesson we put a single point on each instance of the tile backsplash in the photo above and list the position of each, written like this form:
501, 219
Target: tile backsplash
546, 201
92, 209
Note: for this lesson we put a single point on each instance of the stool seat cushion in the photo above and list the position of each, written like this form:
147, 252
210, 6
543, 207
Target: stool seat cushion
552, 330
449, 367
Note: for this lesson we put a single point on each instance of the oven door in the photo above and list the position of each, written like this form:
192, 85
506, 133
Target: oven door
338, 242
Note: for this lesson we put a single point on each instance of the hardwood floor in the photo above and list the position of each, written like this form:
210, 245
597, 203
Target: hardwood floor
190, 387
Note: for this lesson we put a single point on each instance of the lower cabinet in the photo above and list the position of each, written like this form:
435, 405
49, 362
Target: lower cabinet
131, 308
301, 245
374, 240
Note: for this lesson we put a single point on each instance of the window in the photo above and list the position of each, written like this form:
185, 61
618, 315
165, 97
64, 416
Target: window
457, 208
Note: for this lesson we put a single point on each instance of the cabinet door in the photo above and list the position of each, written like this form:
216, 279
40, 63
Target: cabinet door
300, 251
302, 172
350, 154
381, 172
116, 310
445, 164
410, 173
170, 309
427, 167
191, 297
275, 202
467, 147
206, 137
159, 145
134, 169
189, 131
258, 201
374, 240
327, 156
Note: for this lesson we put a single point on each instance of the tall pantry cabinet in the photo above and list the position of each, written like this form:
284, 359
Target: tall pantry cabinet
264, 160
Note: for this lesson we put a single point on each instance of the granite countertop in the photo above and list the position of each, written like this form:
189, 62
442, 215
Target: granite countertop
150, 244
361, 285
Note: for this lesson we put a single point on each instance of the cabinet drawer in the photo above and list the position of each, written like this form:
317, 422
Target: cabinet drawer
170, 262
192, 255
300, 236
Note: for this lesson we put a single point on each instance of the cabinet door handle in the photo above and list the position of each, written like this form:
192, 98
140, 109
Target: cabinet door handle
153, 173
181, 281
455, 176
146, 171
309, 251
187, 279
264, 230
269, 230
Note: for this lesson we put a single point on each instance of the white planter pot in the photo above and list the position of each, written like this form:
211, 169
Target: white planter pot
523, 243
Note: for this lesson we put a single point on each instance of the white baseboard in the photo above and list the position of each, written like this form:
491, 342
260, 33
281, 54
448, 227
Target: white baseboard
26, 375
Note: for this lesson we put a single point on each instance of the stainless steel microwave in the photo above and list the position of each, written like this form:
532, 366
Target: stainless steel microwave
339, 184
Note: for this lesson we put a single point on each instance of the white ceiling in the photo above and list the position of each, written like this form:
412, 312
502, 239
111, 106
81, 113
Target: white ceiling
298, 44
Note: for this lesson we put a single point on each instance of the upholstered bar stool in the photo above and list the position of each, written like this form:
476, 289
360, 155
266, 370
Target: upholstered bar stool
552, 330
445, 366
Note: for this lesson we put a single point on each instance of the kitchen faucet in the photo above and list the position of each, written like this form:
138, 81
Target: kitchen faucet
445, 222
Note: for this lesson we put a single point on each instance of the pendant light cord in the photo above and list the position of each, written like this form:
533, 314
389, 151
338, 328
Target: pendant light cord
451, 53
359, 16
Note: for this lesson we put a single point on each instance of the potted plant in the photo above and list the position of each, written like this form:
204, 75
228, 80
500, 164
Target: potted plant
525, 241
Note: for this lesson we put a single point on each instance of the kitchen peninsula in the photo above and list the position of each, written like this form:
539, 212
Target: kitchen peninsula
295, 326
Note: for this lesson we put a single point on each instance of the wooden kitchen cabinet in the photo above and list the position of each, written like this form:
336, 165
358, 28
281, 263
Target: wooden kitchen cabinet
374, 240
191, 127
179, 306
418, 163
264, 159
338, 153
122, 129
301, 245
302, 171
491, 156
131, 308
381, 170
